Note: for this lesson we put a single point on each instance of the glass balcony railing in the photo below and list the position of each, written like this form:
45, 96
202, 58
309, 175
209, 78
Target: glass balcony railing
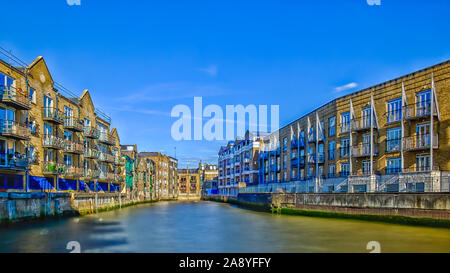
91, 132
91, 153
11, 128
420, 142
72, 171
14, 161
53, 115
107, 138
51, 167
73, 147
53, 142
74, 124
14, 97
106, 157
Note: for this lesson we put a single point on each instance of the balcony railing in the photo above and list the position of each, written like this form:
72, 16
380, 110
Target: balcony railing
418, 110
72, 171
74, 124
53, 115
106, 157
73, 147
53, 142
91, 132
51, 167
394, 115
106, 176
345, 127
393, 145
11, 128
87, 174
91, 153
119, 178
344, 152
14, 97
14, 162
363, 150
361, 124
107, 138
420, 142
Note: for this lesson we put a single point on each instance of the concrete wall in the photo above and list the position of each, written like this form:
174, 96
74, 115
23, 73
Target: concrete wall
431, 205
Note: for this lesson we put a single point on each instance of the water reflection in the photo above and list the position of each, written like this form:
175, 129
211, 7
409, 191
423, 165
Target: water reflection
216, 227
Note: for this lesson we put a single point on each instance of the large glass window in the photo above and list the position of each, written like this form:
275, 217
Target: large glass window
423, 103
423, 163
393, 139
332, 150
345, 169
394, 165
345, 147
394, 111
332, 126
331, 170
345, 122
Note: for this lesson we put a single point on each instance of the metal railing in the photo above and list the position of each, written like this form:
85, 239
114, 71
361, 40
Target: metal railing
11, 95
14, 161
54, 142
106, 138
91, 132
363, 150
73, 147
72, 171
73, 123
361, 124
91, 153
418, 110
13, 128
52, 167
420, 142
53, 114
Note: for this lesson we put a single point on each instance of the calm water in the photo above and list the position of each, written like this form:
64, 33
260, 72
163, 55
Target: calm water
216, 227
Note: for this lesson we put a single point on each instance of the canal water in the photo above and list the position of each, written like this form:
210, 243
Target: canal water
215, 227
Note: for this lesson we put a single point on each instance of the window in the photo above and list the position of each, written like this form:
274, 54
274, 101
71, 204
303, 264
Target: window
302, 139
285, 140
345, 169
345, 147
294, 174
311, 134
332, 150
68, 160
6, 80
423, 106
366, 167
321, 131
32, 95
393, 139
68, 112
284, 162
332, 126
331, 170
366, 117
394, 111
423, 163
345, 122
394, 165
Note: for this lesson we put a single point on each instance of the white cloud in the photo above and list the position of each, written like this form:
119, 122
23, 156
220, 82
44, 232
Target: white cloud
211, 70
345, 87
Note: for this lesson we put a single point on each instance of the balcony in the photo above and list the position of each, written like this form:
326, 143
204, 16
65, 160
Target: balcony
73, 124
106, 176
394, 116
119, 178
106, 138
13, 129
12, 162
14, 97
106, 157
87, 174
72, 171
345, 128
73, 148
53, 115
344, 152
363, 150
91, 153
393, 145
363, 124
118, 161
53, 142
418, 111
90, 132
420, 142
53, 168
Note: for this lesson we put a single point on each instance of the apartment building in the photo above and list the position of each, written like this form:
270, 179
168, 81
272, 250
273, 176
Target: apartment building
165, 175
239, 164
208, 175
144, 173
129, 154
391, 137
189, 184
52, 140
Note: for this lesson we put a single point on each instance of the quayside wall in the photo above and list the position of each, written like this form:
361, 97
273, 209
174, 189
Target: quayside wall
23, 206
423, 205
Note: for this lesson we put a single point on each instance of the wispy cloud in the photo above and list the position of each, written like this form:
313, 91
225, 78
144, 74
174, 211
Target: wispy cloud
173, 91
345, 87
211, 70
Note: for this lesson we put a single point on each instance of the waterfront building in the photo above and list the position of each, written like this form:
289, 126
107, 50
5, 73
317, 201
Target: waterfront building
391, 137
130, 155
189, 184
208, 175
239, 164
50, 139
144, 178
165, 175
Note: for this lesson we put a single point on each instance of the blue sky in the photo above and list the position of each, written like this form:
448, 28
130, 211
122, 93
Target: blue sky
141, 58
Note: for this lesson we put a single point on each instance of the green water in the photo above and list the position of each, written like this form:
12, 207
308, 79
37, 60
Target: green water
216, 227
